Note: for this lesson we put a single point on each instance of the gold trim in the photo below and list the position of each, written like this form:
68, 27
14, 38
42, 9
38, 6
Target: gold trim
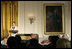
54, 4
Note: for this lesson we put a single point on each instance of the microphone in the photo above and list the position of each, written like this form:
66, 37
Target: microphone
13, 28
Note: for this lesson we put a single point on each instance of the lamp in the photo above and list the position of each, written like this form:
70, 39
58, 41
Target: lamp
31, 18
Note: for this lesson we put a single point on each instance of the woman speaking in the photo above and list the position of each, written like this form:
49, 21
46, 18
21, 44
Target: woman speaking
14, 27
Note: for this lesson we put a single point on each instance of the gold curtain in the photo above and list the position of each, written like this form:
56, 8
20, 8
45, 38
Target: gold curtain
9, 13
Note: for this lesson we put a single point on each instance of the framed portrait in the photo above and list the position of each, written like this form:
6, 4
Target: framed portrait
54, 18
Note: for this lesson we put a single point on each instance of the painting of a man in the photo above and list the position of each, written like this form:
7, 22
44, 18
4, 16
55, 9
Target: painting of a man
53, 18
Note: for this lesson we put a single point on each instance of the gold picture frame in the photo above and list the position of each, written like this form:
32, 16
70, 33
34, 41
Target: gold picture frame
54, 19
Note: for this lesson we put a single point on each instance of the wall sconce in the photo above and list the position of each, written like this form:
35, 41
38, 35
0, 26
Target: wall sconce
31, 18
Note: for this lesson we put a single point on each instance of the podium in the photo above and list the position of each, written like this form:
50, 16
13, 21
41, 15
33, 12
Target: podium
13, 31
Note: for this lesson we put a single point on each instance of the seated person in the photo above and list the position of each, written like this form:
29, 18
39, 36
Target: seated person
65, 36
33, 36
51, 42
13, 42
63, 43
33, 43
4, 41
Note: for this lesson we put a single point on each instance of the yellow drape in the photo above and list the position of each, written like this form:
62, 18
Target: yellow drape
9, 13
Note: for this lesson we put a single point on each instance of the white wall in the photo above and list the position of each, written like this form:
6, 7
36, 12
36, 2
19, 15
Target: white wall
36, 8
